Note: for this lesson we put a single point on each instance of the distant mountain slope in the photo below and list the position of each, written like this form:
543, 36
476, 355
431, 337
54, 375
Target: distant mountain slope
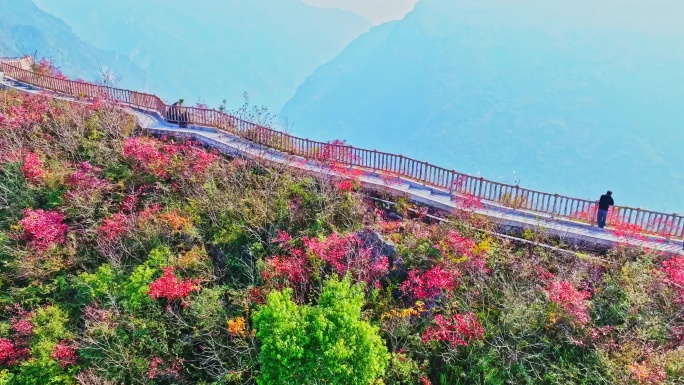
26, 30
570, 97
217, 49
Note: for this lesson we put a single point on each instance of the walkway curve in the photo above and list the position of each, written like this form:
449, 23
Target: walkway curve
235, 145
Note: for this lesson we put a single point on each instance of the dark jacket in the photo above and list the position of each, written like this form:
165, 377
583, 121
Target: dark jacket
605, 202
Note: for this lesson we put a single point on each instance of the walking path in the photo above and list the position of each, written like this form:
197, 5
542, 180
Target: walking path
569, 231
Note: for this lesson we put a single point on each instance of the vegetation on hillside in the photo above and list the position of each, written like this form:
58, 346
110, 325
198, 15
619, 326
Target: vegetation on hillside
139, 260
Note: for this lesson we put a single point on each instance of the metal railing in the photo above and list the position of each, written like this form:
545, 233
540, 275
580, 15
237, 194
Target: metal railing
458, 185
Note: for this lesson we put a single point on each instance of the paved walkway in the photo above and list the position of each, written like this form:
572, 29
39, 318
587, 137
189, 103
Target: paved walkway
569, 231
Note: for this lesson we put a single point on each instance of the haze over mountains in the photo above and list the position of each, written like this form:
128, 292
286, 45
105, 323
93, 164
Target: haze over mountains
573, 97
215, 49
25, 30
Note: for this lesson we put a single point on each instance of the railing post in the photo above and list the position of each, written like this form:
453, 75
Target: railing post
422, 174
451, 185
401, 165
515, 197
375, 160
555, 202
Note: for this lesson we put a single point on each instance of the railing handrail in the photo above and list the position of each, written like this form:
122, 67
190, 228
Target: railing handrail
457, 184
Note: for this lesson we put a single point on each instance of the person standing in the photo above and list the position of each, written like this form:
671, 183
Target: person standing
604, 205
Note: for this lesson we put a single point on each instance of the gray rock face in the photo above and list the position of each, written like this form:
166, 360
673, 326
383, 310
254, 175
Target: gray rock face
379, 246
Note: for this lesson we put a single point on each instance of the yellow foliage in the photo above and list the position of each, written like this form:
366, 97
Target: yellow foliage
237, 327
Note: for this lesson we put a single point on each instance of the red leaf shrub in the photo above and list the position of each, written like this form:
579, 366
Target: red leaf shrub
25, 110
157, 158
64, 353
294, 268
43, 229
85, 178
7, 352
33, 168
159, 368
45, 67
456, 331
347, 254
674, 270
430, 284
170, 287
146, 154
573, 301
113, 228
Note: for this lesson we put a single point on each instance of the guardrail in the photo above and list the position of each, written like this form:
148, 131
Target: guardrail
390, 165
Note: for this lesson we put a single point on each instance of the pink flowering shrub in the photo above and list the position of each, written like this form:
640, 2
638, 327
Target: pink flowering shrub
458, 330
429, 285
171, 287
42, 229
64, 353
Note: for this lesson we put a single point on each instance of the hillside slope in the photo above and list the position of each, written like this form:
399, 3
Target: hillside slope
26, 30
216, 49
573, 97
128, 259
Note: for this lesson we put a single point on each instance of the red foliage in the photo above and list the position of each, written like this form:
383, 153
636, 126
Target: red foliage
33, 168
334, 151
457, 245
390, 180
345, 185
7, 352
158, 158
351, 176
430, 284
644, 373
64, 353
43, 229
294, 269
129, 204
46, 67
282, 239
674, 270
573, 301
146, 154
468, 202
86, 179
630, 231
159, 368
170, 287
456, 331
25, 110
347, 254
113, 228
17, 349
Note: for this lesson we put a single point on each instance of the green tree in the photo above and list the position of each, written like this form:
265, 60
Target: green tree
325, 344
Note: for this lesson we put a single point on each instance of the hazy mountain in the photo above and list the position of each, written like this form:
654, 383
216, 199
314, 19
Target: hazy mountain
26, 30
217, 49
574, 97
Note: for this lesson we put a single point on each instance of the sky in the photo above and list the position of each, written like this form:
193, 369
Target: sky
376, 11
